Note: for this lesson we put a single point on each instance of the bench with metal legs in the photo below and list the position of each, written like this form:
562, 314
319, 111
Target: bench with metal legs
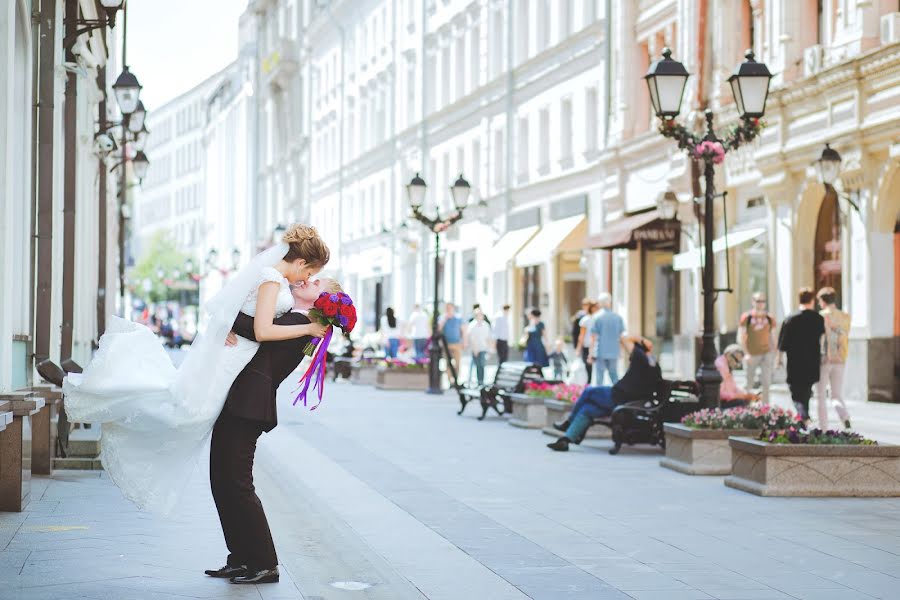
15, 472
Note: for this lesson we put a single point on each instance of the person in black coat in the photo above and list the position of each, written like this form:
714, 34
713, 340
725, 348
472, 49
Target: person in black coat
800, 338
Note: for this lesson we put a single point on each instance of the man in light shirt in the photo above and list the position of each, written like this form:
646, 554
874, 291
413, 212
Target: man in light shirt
501, 334
419, 330
607, 330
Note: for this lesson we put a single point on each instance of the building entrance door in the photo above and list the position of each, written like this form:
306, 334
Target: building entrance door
660, 305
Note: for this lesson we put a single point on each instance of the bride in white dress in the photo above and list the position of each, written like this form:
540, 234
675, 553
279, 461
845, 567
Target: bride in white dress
156, 419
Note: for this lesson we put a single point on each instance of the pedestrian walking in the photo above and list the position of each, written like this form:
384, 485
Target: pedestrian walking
478, 340
607, 330
418, 330
390, 333
501, 334
835, 346
576, 320
800, 338
535, 347
756, 335
558, 360
583, 347
452, 328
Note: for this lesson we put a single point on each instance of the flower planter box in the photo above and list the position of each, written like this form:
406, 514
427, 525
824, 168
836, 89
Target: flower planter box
401, 379
363, 374
558, 410
814, 470
699, 451
527, 411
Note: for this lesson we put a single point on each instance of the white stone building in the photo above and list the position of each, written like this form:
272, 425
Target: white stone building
41, 258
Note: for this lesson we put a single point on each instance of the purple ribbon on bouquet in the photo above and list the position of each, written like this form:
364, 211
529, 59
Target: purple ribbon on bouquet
315, 371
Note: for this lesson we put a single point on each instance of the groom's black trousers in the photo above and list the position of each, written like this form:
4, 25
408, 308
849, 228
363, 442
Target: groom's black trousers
241, 513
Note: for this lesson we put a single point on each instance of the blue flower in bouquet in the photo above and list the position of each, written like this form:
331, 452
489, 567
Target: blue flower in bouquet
334, 298
343, 320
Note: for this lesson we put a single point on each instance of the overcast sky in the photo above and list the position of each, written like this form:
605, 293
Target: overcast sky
175, 44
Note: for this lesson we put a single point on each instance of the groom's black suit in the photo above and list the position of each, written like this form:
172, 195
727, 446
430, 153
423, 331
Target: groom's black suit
249, 411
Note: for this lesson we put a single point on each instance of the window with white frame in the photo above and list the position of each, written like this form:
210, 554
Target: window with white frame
543, 25
544, 139
497, 43
590, 119
476, 165
460, 67
565, 19
475, 56
565, 129
499, 161
445, 76
589, 12
522, 157
521, 33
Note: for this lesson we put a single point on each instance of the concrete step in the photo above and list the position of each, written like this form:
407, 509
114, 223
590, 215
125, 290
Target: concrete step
78, 463
83, 448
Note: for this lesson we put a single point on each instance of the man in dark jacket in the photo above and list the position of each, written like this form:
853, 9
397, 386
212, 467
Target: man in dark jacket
800, 338
249, 411
639, 383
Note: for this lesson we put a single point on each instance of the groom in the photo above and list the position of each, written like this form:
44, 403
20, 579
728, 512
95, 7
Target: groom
249, 411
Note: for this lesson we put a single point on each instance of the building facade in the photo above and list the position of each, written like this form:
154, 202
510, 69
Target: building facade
836, 71
55, 295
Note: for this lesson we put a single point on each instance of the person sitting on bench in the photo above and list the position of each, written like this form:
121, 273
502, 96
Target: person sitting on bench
730, 394
639, 383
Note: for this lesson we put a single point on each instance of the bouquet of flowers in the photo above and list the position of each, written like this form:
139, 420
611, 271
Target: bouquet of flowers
336, 310
331, 309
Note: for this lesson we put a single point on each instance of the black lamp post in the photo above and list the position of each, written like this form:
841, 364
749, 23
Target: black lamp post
829, 168
666, 80
415, 191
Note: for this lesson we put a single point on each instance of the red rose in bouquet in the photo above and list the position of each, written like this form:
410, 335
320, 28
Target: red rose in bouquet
332, 309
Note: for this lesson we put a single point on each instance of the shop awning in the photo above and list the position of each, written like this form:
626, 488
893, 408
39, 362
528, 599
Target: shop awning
553, 236
693, 258
508, 245
627, 232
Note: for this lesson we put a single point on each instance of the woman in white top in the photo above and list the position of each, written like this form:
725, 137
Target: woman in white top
390, 333
479, 339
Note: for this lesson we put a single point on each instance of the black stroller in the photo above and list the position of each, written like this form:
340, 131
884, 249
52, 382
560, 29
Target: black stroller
641, 422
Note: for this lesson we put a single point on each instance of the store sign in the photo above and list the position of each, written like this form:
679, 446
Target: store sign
656, 232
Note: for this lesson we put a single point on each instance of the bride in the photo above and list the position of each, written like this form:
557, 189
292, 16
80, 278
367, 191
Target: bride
156, 418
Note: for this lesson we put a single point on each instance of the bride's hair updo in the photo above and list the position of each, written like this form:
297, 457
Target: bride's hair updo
305, 243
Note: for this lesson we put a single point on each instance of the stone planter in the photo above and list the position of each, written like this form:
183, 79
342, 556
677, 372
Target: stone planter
527, 411
363, 374
401, 379
814, 470
558, 410
700, 451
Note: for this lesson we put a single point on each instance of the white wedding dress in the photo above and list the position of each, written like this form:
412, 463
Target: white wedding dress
156, 419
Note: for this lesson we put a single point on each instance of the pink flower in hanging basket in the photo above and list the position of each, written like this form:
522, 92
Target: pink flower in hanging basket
712, 150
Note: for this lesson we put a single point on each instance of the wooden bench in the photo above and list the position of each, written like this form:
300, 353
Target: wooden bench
511, 378
43, 442
15, 473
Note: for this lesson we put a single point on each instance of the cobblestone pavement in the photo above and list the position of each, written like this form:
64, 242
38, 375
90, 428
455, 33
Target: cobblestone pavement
390, 495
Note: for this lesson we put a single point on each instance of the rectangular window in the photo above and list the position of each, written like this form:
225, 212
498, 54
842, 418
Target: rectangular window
590, 119
522, 31
445, 76
590, 12
460, 68
475, 57
497, 43
499, 161
565, 19
544, 142
522, 157
543, 25
476, 165
565, 129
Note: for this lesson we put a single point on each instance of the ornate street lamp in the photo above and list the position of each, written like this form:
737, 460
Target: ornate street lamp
140, 164
415, 192
128, 91
666, 80
140, 138
136, 119
829, 169
667, 206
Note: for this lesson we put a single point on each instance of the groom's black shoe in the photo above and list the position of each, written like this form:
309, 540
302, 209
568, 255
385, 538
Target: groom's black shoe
262, 576
227, 571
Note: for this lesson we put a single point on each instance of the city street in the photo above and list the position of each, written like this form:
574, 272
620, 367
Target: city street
392, 496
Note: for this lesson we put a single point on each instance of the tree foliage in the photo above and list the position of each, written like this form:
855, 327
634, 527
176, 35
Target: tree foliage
161, 254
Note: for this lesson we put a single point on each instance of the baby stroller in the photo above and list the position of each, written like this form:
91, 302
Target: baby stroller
641, 422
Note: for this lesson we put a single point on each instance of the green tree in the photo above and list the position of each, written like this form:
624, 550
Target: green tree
160, 255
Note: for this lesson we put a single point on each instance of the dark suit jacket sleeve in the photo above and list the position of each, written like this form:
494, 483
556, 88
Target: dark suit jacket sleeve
243, 326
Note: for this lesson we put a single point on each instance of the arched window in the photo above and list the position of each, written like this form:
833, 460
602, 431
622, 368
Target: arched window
828, 247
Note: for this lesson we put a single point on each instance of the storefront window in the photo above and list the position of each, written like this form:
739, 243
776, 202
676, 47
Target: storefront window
752, 272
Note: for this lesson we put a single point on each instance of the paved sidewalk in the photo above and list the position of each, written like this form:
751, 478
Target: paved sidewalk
392, 496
